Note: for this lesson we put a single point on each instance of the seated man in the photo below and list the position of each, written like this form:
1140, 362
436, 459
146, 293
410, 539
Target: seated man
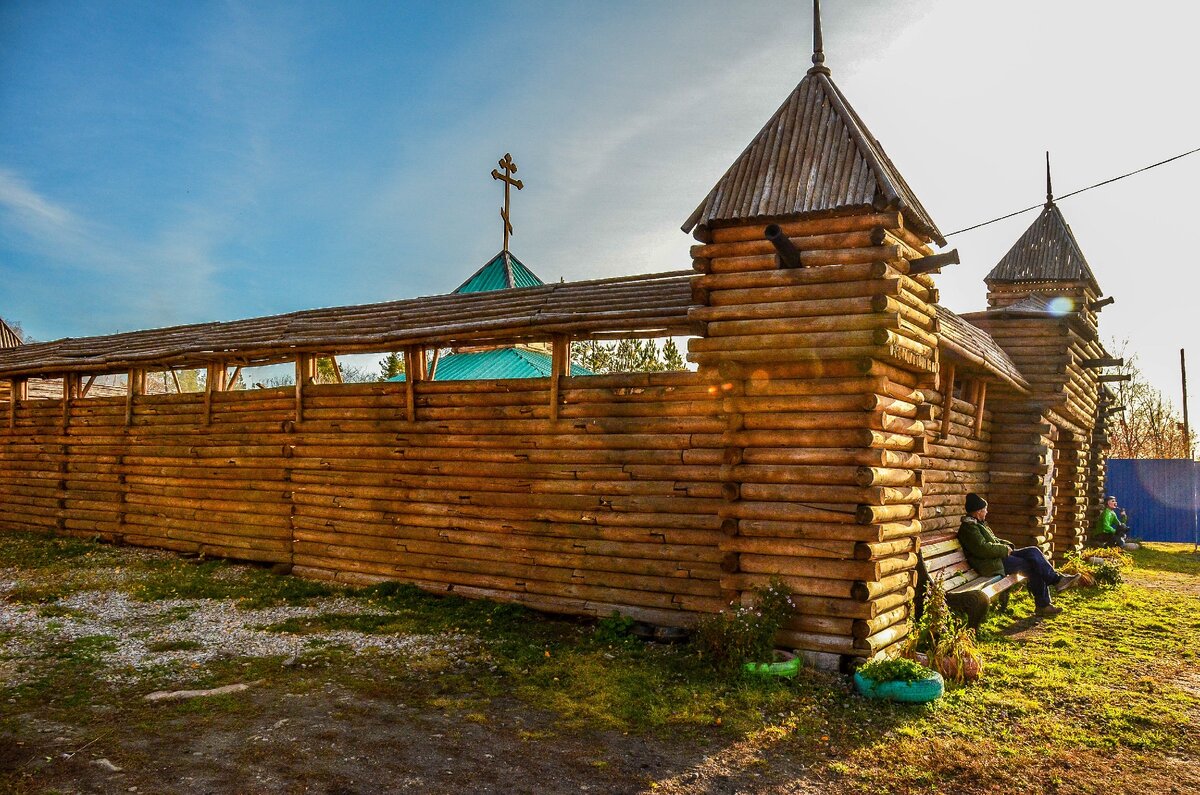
1111, 528
993, 556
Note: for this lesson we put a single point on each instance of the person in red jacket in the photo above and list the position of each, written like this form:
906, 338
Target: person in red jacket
988, 554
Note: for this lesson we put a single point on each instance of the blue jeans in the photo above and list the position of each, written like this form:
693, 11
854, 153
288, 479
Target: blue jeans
1033, 564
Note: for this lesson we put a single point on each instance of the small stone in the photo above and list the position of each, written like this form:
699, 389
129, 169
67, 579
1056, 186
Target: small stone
104, 764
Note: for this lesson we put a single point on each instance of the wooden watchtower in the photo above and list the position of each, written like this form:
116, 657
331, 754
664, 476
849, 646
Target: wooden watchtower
1043, 305
821, 337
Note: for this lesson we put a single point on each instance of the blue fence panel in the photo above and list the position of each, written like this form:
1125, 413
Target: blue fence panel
1160, 496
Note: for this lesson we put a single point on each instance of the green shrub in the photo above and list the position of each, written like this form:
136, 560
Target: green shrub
614, 629
745, 633
899, 669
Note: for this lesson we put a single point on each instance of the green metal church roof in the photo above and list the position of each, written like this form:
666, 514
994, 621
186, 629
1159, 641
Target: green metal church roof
502, 272
496, 364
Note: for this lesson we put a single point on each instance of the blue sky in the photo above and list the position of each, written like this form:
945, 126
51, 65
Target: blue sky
165, 163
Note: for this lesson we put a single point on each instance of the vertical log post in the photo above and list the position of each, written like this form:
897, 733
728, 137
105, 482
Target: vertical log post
947, 399
136, 386
306, 373
68, 391
979, 406
411, 373
560, 360
18, 390
214, 381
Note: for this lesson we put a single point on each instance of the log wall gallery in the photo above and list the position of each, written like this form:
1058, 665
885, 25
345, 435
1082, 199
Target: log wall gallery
837, 417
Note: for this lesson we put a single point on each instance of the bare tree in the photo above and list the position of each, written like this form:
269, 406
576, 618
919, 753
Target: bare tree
1149, 427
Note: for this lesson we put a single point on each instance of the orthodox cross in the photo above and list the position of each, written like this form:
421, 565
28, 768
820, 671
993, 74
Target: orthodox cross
510, 168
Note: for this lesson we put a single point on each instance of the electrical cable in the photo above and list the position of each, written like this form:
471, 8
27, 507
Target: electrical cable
1075, 192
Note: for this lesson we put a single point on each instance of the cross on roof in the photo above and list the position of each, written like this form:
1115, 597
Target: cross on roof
510, 168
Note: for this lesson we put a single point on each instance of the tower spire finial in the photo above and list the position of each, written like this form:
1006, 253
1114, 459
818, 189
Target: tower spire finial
818, 57
1049, 188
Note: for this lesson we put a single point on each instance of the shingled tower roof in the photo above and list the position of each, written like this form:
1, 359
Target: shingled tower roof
1047, 252
8, 337
814, 156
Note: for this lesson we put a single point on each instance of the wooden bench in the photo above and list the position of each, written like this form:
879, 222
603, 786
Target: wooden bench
967, 591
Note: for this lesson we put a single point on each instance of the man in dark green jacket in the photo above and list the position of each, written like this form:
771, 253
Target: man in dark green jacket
993, 556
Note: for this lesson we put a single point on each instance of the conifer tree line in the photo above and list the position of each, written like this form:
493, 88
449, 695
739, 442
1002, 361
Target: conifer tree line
627, 356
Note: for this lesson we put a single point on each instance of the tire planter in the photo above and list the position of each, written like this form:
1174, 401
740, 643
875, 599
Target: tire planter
919, 692
787, 668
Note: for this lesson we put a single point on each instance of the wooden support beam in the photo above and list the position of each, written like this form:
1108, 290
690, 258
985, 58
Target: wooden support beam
136, 386
1105, 379
83, 392
337, 369
979, 406
18, 390
214, 381
410, 375
1096, 306
947, 400
559, 358
175, 378
933, 263
1104, 361
306, 373
437, 354
68, 391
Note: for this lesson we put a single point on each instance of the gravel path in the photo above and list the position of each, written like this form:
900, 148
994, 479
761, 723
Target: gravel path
182, 634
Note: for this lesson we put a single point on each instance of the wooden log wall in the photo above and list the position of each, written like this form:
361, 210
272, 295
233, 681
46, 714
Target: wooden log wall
610, 506
1021, 469
958, 457
1071, 497
822, 366
1050, 352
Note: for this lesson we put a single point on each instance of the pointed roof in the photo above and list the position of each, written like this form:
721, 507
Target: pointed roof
1047, 252
815, 155
514, 362
502, 272
8, 337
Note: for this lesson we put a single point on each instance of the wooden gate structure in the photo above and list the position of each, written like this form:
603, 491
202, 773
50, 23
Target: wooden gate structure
837, 417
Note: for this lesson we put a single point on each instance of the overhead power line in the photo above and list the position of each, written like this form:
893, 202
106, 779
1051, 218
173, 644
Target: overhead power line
1076, 192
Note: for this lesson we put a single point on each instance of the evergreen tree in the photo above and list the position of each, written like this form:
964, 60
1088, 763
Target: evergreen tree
391, 366
627, 356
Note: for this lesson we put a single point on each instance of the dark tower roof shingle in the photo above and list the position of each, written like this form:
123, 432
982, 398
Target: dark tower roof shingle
815, 155
1048, 251
8, 337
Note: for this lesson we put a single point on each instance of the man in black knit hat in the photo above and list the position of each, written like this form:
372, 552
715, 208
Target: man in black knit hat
993, 556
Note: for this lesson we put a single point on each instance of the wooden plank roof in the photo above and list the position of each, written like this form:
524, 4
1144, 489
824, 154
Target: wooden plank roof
8, 337
645, 305
814, 156
1047, 251
975, 345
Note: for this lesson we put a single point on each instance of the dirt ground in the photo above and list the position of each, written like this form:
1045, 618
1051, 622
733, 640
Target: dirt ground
334, 743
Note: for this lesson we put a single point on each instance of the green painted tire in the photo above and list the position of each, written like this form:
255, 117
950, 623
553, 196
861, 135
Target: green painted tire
919, 692
787, 669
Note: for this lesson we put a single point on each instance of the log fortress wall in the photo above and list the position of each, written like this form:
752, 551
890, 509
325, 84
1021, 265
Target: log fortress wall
815, 443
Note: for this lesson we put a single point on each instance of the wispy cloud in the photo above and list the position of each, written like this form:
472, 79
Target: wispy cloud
109, 276
33, 210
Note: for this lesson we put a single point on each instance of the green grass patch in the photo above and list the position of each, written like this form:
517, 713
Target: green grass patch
217, 579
